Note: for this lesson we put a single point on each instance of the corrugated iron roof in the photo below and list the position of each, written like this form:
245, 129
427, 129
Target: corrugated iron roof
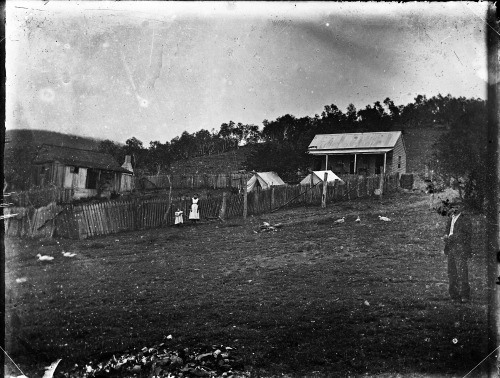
354, 141
76, 157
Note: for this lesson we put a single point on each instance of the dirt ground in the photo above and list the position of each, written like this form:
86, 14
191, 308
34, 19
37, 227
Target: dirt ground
315, 299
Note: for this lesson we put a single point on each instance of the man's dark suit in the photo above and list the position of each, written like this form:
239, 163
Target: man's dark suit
458, 249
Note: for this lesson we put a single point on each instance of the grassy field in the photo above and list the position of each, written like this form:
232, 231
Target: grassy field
314, 299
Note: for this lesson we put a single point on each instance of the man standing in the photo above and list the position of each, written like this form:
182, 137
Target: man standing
458, 249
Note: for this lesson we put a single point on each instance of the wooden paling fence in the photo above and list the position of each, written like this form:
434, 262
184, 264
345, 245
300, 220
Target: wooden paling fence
264, 201
40, 222
90, 220
40, 197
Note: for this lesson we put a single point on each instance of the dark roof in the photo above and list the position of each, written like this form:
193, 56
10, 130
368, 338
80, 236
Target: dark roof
76, 157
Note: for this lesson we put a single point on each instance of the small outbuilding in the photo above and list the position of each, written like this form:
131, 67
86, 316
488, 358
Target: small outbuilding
264, 180
319, 176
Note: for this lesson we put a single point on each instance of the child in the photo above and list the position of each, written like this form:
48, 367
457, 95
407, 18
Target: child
178, 218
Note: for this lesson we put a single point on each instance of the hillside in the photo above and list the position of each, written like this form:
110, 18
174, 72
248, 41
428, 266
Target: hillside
221, 163
18, 137
419, 146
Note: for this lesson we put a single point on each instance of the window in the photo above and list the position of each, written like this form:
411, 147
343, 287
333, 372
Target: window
73, 169
399, 161
92, 179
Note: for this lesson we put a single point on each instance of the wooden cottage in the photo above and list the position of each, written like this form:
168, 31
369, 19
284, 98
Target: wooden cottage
87, 172
360, 153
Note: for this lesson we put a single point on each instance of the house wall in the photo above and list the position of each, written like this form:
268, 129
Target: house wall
126, 183
68, 178
56, 175
116, 181
399, 165
47, 175
388, 163
75, 180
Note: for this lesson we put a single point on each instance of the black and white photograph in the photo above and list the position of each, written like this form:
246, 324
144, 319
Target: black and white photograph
251, 189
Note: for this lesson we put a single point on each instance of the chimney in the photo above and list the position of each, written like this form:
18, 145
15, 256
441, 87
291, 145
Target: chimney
128, 163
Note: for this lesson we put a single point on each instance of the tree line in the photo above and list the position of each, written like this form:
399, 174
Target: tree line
290, 135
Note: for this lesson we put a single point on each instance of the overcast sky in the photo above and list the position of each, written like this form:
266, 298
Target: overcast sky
152, 70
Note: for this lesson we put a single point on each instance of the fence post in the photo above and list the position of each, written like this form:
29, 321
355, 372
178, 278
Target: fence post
245, 203
137, 212
222, 213
310, 188
325, 186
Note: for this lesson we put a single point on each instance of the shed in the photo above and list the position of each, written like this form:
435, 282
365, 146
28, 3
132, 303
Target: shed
264, 180
87, 172
361, 153
319, 176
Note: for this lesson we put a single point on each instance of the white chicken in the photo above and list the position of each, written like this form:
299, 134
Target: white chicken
341, 220
385, 219
68, 254
358, 219
44, 258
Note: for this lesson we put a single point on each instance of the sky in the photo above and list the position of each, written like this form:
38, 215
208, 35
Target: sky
152, 70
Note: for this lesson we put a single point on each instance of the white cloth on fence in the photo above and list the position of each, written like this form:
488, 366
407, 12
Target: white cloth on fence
194, 213
178, 217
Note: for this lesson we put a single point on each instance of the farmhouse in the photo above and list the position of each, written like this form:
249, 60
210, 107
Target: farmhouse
86, 172
360, 153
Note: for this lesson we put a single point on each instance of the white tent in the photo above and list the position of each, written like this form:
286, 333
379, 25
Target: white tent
265, 180
319, 176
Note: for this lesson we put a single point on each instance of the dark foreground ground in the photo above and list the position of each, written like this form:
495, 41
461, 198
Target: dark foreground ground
314, 299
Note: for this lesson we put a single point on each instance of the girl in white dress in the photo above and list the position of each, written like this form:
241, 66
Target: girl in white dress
178, 218
194, 214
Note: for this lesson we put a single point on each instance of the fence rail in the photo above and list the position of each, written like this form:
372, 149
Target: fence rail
91, 220
193, 181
